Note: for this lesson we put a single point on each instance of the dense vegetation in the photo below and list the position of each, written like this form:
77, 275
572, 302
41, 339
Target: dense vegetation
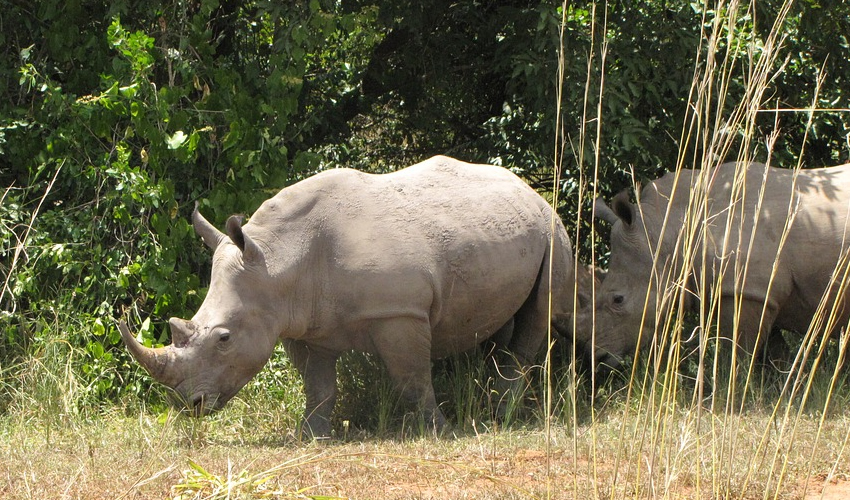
116, 117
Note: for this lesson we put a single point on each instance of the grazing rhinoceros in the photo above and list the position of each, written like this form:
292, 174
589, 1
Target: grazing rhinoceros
413, 265
773, 239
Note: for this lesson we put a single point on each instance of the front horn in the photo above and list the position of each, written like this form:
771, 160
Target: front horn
159, 362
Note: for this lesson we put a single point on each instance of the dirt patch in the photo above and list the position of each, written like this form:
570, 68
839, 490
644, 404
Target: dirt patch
823, 487
372, 473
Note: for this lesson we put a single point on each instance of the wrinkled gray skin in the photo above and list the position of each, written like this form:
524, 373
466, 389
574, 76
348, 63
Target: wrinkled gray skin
410, 266
818, 236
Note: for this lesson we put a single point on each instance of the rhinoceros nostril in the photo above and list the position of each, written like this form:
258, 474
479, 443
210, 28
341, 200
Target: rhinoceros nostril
196, 405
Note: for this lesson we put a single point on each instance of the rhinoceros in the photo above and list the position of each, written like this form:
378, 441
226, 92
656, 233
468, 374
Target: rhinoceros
410, 266
769, 245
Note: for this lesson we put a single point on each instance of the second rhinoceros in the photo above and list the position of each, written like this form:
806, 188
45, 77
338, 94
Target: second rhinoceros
413, 265
761, 247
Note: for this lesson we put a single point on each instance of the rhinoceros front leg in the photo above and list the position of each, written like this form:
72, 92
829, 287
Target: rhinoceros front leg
404, 345
318, 370
747, 317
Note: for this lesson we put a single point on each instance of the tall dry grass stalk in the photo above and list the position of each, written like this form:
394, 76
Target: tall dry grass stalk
666, 420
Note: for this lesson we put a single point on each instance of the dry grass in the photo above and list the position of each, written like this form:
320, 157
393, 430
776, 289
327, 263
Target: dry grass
119, 457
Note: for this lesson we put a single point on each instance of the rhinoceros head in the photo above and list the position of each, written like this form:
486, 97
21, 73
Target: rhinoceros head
619, 320
229, 339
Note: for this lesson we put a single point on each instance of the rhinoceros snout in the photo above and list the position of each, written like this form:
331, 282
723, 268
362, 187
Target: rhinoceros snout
200, 405
605, 365
197, 404
600, 360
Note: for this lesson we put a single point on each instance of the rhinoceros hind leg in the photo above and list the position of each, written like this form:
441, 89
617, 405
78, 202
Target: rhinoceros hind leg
318, 370
529, 333
404, 345
502, 338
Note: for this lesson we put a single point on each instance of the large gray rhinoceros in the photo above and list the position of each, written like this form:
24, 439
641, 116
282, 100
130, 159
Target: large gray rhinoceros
413, 265
735, 217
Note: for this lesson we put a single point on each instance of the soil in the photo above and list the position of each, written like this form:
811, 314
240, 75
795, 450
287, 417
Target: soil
822, 487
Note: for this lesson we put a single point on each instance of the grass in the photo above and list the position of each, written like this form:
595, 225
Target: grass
646, 446
241, 453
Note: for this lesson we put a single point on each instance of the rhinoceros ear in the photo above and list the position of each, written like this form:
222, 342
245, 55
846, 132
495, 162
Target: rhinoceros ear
250, 250
212, 237
234, 230
623, 208
601, 210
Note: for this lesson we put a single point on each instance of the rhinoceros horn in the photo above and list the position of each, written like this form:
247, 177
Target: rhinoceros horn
181, 331
158, 362
211, 236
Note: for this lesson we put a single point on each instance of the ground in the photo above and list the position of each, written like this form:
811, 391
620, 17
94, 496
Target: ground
143, 457
825, 488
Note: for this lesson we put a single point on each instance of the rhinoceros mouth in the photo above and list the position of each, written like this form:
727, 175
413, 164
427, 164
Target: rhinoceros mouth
200, 405
608, 361
196, 404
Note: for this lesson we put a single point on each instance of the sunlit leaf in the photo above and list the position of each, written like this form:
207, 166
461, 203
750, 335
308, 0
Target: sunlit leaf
176, 140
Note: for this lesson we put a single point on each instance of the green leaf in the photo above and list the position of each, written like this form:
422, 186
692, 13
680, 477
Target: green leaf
97, 328
197, 468
146, 325
176, 140
129, 91
96, 349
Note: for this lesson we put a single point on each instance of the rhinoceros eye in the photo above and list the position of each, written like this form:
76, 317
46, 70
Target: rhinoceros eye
618, 299
224, 337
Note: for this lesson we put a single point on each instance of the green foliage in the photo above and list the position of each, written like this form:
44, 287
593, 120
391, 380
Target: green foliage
103, 167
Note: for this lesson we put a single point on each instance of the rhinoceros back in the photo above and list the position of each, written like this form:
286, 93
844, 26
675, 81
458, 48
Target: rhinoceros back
458, 245
780, 220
